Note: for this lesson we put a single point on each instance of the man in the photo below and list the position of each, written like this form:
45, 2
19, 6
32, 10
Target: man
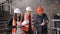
40, 21
28, 28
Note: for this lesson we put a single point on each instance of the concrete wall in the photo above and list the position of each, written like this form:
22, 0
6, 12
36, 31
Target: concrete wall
50, 7
2, 1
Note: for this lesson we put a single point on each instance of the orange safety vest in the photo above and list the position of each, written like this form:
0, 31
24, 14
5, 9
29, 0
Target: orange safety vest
26, 27
14, 24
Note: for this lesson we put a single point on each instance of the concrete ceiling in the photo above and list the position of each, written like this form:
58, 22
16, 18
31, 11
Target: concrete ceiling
2, 1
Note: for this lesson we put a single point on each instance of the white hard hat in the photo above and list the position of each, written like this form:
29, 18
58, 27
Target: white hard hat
58, 14
17, 10
28, 9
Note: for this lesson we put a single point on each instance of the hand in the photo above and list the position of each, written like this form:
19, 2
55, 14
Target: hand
43, 24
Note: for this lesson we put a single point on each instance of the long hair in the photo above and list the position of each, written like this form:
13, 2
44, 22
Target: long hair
15, 17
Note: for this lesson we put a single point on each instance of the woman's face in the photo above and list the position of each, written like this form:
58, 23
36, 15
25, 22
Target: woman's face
18, 15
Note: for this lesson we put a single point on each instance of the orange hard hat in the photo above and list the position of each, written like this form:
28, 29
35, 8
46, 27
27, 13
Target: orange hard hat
40, 10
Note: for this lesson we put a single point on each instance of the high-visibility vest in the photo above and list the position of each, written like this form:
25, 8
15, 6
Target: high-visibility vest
14, 30
14, 22
26, 27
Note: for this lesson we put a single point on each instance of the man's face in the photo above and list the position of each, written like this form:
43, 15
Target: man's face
40, 13
29, 12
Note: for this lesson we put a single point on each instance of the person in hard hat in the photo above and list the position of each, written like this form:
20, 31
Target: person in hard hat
14, 22
41, 21
28, 28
